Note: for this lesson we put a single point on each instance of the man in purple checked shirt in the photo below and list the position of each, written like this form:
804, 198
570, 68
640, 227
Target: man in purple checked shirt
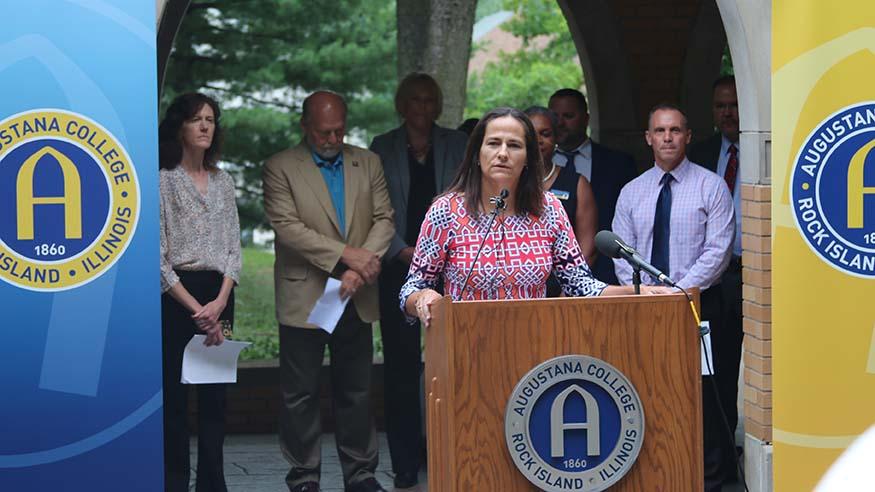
680, 215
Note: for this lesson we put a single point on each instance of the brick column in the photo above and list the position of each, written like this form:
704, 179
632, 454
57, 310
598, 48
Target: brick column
756, 241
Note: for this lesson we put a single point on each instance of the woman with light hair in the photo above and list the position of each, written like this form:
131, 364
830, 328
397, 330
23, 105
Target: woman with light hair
419, 159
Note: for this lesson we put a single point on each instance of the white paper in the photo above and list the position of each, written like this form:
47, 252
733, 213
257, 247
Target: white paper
707, 355
215, 364
329, 308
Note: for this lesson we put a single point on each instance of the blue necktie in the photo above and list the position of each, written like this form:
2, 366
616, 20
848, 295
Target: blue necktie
569, 156
659, 254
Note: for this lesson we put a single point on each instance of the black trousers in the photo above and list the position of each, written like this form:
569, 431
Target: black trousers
177, 330
402, 364
727, 356
301, 353
718, 439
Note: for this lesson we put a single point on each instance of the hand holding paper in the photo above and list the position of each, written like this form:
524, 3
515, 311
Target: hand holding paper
329, 308
202, 364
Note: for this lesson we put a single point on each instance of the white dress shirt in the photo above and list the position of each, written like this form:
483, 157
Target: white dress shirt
582, 159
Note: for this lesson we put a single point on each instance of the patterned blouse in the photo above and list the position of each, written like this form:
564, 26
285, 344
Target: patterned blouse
516, 260
198, 232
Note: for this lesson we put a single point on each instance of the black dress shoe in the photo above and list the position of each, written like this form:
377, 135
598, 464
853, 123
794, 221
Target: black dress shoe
367, 485
306, 487
405, 480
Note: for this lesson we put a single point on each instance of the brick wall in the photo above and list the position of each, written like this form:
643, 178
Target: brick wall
757, 291
253, 403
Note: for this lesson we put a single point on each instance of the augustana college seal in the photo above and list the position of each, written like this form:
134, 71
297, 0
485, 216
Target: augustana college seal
69, 200
574, 423
833, 190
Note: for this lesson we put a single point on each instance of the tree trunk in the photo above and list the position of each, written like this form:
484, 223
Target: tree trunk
434, 36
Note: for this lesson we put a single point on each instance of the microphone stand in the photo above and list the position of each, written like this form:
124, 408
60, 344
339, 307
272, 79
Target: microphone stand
636, 270
636, 278
500, 205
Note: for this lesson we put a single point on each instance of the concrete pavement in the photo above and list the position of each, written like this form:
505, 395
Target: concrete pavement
254, 463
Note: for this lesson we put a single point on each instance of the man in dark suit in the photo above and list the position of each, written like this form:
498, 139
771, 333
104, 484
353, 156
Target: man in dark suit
419, 160
607, 170
720, 153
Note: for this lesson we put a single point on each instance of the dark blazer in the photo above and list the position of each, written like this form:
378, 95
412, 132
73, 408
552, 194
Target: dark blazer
449, 149
611, 170
707, 152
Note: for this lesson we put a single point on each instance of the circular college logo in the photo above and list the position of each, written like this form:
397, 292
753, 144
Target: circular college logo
832, 190
574, 423
69, 200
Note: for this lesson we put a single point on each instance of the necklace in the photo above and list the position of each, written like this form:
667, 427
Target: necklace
550, 174
420, 153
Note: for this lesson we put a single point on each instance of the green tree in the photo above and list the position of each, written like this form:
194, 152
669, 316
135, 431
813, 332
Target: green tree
487, 7
726, 63
259, 59
546, 61
434, 36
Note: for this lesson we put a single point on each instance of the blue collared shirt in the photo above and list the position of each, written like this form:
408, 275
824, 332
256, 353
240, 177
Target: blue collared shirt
722, 162
332, 172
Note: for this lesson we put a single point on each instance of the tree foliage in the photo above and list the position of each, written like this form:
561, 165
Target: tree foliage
434, 36
726, 63
260, 58
547, 61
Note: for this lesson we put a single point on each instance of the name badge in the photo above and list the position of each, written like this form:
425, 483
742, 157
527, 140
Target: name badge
561, 194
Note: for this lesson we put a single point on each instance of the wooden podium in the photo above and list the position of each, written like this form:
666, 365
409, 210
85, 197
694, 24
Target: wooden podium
476, 353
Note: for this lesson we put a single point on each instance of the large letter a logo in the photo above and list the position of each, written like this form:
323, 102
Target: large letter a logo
71, 199
558, 425
856, 188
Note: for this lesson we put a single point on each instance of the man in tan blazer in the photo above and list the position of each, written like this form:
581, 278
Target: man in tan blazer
330, 209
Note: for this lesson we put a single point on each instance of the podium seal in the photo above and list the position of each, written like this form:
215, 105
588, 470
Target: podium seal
574, 423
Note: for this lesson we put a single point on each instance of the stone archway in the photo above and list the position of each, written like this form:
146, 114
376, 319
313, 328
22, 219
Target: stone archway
169, 15
633, 55
701, 67
748, 31
610, 86
748, 27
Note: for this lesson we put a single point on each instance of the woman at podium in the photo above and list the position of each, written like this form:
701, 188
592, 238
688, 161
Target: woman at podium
495, 234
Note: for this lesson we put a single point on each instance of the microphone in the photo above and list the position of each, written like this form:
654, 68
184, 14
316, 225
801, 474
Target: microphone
498, 200
500, 204
610, 244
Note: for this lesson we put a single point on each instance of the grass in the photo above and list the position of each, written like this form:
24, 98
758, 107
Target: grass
254, 313
254, 308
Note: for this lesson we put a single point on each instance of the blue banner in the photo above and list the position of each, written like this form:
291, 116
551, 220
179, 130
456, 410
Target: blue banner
80, 336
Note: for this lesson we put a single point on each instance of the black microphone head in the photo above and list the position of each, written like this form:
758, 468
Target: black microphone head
608, 244
503, 193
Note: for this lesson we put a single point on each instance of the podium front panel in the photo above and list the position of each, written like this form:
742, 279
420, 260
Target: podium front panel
477, 352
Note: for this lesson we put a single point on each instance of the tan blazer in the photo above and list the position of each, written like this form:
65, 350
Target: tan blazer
308, 240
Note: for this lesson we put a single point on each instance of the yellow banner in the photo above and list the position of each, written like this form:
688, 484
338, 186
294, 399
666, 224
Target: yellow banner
823, 233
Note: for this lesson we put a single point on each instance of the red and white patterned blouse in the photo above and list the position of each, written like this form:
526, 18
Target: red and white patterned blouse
517, 257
